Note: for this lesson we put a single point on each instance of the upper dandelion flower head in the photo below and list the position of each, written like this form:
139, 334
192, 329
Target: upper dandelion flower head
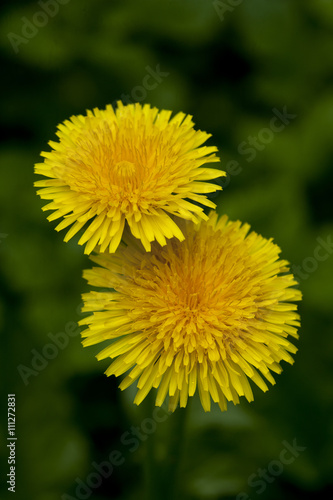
134, 165
210, 312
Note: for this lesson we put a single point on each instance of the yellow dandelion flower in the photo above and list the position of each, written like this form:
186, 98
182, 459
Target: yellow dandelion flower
134, 165
210, 312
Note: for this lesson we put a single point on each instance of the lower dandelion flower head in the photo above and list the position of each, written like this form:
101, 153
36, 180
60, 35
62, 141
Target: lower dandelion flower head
210, 312
134, 165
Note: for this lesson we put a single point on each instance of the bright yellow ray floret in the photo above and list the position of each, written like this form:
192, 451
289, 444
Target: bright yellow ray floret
208, 313
134, 165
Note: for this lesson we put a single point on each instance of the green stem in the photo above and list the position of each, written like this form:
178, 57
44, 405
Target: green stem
151, 472
173, 467
163, 478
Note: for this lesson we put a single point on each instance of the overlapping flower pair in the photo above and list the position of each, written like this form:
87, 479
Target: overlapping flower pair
192, 301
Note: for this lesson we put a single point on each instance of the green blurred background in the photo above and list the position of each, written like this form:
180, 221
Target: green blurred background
229, 66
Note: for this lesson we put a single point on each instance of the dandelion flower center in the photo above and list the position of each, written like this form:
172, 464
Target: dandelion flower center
124, 169
212, 312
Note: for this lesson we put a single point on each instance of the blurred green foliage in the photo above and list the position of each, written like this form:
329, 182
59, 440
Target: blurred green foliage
229, 68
